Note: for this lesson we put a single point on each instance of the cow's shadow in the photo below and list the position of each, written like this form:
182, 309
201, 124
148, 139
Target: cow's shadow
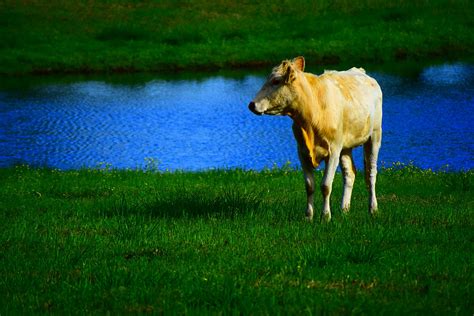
186, 204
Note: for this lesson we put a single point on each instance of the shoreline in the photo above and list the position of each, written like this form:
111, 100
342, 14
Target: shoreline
400, 67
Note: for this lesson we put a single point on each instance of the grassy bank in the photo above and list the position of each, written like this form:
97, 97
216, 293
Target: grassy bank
232, 241
124, 36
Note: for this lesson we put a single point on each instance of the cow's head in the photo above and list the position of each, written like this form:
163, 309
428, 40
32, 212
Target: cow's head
277, 94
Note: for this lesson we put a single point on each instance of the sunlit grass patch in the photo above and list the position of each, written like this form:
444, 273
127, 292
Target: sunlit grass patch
98, 240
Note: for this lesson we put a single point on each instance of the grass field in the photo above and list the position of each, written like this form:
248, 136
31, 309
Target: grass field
232, 242
63, 36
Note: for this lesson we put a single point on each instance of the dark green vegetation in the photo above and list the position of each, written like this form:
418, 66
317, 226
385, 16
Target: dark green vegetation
232, 241
62, 36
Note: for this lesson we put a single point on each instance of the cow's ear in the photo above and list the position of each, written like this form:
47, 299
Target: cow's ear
290, 74
299, 63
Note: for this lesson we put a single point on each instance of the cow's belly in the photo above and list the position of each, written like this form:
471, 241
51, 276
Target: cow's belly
358, 124
351, 142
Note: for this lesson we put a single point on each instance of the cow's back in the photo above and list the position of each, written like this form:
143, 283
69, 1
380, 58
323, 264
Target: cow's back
355, 100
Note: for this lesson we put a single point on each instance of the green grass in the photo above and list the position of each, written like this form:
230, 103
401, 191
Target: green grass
92, 241
63, 36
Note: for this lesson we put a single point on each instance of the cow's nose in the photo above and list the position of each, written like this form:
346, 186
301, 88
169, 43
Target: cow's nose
252, 107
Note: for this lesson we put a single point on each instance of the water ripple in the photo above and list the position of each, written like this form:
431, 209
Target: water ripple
202, 124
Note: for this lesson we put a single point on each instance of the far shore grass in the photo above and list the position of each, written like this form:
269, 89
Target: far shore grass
77, 37
232, 242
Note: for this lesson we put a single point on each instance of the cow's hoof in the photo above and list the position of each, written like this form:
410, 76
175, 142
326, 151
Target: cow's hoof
326, 217
374, 212
309, 218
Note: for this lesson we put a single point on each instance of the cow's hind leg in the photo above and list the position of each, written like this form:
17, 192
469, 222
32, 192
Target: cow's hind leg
371, 152
326, 186
348, 176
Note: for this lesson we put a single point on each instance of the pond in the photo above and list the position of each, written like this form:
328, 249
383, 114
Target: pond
182, 124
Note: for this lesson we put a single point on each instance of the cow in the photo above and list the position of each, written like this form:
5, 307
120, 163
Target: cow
332, 113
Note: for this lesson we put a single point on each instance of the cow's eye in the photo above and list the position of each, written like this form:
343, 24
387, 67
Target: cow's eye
276, 81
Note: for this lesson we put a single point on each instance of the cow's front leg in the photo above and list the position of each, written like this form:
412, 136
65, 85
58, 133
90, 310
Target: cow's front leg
309, 184
326, 186
308, 172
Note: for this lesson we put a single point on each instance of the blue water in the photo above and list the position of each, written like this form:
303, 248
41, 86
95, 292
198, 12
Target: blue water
205, 124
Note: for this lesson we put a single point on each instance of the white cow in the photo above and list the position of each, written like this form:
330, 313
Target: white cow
332, 113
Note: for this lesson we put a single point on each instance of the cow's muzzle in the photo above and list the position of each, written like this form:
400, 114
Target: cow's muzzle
253, 108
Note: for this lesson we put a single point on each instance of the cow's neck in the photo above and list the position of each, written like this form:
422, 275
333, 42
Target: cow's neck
306, 121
